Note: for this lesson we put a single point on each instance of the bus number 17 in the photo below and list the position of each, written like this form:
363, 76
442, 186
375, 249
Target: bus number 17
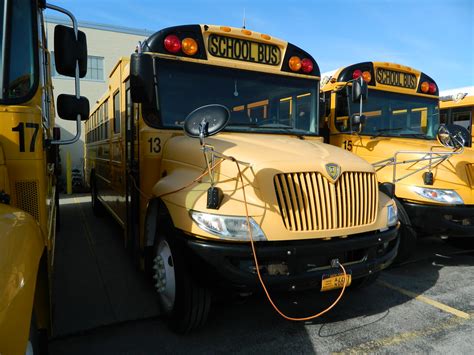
21, 132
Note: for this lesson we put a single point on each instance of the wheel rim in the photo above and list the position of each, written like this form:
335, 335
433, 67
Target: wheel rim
164, 275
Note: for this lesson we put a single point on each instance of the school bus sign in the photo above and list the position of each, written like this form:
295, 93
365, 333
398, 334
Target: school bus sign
242, 49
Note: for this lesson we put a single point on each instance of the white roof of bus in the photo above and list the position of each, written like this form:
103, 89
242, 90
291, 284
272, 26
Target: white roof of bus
469, 90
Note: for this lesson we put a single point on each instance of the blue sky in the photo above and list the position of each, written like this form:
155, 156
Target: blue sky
434, 36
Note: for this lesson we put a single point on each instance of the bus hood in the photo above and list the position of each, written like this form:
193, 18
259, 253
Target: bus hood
306, 166
281, 153
457, 173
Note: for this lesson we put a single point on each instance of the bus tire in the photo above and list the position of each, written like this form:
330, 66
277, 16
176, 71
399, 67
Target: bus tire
183, 301
37, 340
406, 234
97, 207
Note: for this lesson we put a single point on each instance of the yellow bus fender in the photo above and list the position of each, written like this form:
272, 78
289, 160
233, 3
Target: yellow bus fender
21, 248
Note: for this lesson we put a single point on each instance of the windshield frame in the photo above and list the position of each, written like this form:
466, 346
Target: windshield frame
388, 95
6, 55
153, 117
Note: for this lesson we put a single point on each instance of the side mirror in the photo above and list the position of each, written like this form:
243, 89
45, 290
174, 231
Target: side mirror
69, 106
68, 50
360, 90
142, 88
453, 136
206, 121
357, 121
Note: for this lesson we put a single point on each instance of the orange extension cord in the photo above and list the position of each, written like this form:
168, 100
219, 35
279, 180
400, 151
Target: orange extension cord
253, 246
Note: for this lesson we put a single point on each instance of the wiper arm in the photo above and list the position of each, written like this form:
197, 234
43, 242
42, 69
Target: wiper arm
416, 135
382, 130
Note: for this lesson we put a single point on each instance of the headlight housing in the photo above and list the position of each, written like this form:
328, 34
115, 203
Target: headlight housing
228, 227
392, 215
443, 196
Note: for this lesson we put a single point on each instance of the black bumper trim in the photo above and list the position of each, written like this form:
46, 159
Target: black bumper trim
223, 258
430, 219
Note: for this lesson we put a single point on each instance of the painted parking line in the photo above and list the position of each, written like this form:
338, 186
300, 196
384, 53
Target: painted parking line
374, 345
426, 300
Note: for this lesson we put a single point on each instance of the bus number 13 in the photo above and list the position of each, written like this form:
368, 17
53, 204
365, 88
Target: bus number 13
155, 145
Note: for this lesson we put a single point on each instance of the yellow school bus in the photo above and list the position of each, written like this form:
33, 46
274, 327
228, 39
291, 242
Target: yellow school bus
434, 195
310, 205
457, 107
29, 156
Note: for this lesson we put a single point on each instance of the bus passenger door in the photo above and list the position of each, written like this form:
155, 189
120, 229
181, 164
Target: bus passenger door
132, 197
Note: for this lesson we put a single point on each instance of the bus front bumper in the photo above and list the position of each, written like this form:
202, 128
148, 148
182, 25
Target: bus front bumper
452, 221
296, 265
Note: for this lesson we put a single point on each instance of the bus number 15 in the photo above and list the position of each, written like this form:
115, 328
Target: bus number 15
348, 145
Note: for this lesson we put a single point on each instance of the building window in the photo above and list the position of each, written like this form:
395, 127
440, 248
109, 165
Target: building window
95, 68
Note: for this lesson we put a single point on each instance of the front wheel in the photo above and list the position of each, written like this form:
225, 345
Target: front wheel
406, 234
183, 300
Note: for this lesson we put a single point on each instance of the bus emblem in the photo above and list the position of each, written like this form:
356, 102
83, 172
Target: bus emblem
334, 170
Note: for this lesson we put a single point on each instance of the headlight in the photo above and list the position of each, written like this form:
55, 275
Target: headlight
443, 196
392, 215
228, 227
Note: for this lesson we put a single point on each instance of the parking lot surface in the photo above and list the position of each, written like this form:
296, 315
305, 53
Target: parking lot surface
103, 304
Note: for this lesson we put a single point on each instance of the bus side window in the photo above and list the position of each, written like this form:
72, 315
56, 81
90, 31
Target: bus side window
117, 112
285, 111
341, 112
303, 109
462, 117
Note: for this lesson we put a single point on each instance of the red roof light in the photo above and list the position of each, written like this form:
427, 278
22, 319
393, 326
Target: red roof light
306, 65
356, 74
172, 43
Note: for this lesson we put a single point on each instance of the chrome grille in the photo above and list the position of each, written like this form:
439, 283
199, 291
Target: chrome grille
308, 201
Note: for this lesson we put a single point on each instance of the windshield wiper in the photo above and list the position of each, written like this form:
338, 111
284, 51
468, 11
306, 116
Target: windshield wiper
383, 130
416, 135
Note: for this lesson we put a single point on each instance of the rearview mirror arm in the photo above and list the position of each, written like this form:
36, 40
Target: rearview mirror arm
76, 78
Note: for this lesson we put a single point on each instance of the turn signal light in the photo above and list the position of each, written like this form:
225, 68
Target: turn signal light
425, 86
367, 76
294, 63
356, 74
189, 46
172, 43
432, 88
306, 65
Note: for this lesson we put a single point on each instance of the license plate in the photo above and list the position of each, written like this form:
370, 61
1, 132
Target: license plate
242, 49
335, 281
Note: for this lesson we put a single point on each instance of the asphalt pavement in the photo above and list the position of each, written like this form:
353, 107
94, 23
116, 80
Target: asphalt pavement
104, 305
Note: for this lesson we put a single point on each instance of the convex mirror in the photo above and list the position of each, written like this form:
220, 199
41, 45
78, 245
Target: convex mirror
453, 136
206, 121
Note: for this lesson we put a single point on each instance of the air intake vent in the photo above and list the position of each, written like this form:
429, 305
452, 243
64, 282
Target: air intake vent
308, 201
27, 197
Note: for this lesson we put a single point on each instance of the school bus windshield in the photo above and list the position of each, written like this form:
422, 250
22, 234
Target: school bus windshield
17, 51
258, 102
393, 115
